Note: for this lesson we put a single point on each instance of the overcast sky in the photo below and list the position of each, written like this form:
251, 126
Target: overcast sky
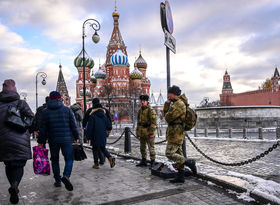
242, 36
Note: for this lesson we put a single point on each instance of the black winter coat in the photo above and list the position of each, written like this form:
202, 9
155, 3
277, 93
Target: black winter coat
87, 115
13, 145
58, 124
98, 127
38, 117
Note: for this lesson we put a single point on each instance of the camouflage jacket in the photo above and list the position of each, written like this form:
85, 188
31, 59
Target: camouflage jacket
175, 113
146, 122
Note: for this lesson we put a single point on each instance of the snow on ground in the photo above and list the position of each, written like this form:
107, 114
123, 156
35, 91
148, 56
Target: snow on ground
266, 188
242, 196
234, 139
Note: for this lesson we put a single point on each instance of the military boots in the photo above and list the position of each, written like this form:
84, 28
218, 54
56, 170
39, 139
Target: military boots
191, 164
143, 163
180, 178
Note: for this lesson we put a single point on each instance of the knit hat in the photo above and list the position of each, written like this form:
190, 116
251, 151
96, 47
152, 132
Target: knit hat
9, 85
54, 95
95, 101
175, 90
144, 97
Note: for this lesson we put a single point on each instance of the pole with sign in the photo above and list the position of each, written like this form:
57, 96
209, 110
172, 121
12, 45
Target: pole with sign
168, 28
170, 43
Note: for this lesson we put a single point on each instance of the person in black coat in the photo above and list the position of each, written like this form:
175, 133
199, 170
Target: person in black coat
96, 101
97, 131
15, 147
78, 113
59, 127
38, 117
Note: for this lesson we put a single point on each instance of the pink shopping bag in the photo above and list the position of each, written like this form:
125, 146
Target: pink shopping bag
41, 164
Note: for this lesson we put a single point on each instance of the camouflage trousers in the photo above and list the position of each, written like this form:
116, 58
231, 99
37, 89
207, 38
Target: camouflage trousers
174, 152
151, 146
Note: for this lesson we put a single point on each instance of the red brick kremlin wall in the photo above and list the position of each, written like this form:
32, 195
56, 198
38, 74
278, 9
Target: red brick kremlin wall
257, 97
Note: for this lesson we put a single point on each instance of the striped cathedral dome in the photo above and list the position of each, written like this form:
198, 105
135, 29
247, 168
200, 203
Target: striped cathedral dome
140, 62
100, 74
119, 58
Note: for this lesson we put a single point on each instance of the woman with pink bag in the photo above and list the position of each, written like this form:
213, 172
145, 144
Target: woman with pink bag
15, 147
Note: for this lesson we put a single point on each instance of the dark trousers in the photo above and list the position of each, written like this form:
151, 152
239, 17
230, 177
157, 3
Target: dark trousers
101, 157
96, 150
67, 152
14, 171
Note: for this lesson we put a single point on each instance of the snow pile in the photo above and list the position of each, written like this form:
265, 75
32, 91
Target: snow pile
242, 196
131, 161
113, 148
265, 188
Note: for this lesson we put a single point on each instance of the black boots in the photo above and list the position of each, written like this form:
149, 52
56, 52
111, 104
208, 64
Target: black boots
180, 178
143, 163
191, 164
13, 190
65, 180
152, 164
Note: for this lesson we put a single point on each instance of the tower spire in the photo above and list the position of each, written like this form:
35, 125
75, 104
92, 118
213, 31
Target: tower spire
62, 88
227, 88
115, 5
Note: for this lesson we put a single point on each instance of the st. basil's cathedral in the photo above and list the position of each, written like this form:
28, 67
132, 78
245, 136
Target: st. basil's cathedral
113, 81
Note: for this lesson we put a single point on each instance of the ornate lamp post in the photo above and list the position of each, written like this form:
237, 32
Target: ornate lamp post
44, 82
95, 25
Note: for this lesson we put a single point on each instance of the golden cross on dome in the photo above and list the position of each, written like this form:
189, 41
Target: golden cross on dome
140, 49
119, 45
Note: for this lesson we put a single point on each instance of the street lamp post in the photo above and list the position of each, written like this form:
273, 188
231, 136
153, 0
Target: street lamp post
95, 25
44, 76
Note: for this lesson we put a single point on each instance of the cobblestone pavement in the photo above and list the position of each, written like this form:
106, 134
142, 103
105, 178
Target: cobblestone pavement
225, 151
125, 184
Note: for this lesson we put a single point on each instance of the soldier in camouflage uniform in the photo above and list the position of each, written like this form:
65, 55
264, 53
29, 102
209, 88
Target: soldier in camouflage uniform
145, 131
175, 116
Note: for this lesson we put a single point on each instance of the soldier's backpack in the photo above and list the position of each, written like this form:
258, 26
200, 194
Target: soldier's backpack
191, 116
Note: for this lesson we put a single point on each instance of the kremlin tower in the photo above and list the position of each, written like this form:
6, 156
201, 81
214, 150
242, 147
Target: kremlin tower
265, 96
62, 88
113, 82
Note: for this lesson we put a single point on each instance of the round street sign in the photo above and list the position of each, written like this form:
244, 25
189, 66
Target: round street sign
169, 20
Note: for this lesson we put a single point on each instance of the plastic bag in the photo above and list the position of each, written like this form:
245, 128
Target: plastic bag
41, 164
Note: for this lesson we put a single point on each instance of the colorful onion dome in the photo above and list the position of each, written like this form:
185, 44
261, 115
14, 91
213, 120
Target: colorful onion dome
140, 62
100, 74
136, 74
119, 58
78, 62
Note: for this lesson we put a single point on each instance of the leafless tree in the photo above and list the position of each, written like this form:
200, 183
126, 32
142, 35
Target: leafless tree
108, 93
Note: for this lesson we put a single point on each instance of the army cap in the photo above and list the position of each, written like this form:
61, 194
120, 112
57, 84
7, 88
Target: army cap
144, 97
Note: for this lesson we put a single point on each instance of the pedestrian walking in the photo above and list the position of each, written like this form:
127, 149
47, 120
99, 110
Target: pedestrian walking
15, 147
60, 129
38, 117
175, 116
97, 131
96, 101
78, 113
145, 131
